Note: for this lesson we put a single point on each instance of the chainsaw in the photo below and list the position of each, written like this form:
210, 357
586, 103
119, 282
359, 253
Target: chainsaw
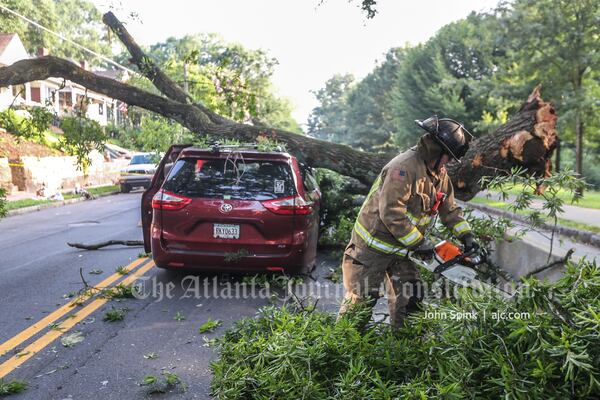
447, 261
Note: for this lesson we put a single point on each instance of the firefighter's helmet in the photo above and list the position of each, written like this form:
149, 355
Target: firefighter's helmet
450, 134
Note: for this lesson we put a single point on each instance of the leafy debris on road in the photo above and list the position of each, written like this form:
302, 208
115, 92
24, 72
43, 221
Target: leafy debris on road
121, 270
169, 382
118, 292
115, 314
179, 316
150, 356
72, 339
335, 275
95, 272
270, 280
22, 354
13, 387
144, 255
56, 326
210, 325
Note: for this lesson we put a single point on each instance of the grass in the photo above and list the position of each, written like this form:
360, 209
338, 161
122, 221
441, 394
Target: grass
103, 189
13, 205
561, 221
590, 199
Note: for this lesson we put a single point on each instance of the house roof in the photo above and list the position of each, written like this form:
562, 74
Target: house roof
111, 73
5, 39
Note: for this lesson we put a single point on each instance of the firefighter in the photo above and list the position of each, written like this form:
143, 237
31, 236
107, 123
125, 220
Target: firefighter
404, 201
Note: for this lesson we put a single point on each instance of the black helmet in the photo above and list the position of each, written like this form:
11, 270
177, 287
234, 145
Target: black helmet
450, 134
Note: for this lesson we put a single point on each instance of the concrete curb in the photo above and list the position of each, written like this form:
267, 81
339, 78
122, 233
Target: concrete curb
581, 236
26, 210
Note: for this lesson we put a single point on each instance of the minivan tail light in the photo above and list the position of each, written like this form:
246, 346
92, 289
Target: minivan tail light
163, 200
289, 206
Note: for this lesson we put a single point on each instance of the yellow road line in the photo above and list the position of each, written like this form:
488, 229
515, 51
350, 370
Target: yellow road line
50, 318
49, 337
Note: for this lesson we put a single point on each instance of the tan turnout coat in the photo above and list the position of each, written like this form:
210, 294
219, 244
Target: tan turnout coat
398, 209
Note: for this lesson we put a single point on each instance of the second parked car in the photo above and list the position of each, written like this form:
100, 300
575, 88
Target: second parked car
139, 172
232, 209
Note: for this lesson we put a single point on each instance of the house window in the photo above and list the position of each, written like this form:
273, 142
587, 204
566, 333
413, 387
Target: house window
100, 109
36, 94
64, 99
18, 90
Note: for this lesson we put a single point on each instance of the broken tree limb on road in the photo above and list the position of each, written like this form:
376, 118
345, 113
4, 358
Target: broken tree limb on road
527, 139
100, 245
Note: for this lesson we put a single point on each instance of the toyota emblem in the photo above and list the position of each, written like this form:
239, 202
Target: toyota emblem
225, 208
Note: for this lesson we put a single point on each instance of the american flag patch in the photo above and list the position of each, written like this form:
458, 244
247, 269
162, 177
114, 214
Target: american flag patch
398, 175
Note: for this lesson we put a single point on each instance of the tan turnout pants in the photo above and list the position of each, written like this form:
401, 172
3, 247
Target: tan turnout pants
364, 273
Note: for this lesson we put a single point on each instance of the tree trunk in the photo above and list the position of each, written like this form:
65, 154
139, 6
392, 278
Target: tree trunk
557, 157
579, 145
527, 139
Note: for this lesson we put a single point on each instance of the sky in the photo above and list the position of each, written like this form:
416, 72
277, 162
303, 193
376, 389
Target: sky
312, 40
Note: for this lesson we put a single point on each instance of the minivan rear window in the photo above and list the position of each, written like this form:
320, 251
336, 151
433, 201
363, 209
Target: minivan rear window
231, 179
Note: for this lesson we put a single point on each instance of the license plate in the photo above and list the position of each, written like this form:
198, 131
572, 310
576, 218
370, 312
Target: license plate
225, 231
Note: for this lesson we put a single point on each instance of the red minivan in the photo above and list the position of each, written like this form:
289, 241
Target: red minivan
231, 209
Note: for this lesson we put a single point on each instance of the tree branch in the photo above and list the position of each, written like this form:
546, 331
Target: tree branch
150, 70
560, 261
527, 139
143, 62
97, 246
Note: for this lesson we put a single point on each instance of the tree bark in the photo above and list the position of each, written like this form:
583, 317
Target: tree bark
527, 139
100, 245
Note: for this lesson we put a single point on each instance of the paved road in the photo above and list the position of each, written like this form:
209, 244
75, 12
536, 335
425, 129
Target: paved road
38, 271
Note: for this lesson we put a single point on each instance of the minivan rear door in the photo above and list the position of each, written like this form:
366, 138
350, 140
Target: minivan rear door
157, 180
226, 213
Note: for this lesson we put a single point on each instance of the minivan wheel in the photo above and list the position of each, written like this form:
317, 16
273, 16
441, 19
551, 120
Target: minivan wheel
125, 188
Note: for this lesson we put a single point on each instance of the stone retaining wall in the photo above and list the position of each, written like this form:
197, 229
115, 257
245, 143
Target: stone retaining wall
5, 174
30, 173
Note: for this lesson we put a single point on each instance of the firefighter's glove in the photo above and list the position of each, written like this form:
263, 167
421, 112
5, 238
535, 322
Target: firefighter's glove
423, 249
469, 243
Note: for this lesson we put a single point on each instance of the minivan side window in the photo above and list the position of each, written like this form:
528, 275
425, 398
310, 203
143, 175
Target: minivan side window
231, 180
310, 183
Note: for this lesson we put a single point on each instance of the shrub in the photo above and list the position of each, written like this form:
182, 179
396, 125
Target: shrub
554, 353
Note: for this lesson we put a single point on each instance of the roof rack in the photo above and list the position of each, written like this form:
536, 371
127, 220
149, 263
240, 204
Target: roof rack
216, 147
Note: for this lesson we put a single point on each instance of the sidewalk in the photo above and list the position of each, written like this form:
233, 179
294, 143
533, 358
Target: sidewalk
589, 216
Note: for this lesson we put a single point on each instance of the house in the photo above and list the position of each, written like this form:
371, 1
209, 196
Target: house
57, 95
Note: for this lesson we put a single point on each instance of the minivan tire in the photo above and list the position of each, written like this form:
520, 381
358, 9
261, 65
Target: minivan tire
125, 188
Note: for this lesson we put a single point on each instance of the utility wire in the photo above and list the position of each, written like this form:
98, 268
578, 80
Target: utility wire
108, 60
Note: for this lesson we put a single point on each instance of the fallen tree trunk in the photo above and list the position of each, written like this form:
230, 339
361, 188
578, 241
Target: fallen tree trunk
528, 139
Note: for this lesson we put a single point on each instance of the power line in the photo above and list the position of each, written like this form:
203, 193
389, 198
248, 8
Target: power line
108, 60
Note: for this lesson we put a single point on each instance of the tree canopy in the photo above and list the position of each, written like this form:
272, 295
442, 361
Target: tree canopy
78, 20
477, 70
